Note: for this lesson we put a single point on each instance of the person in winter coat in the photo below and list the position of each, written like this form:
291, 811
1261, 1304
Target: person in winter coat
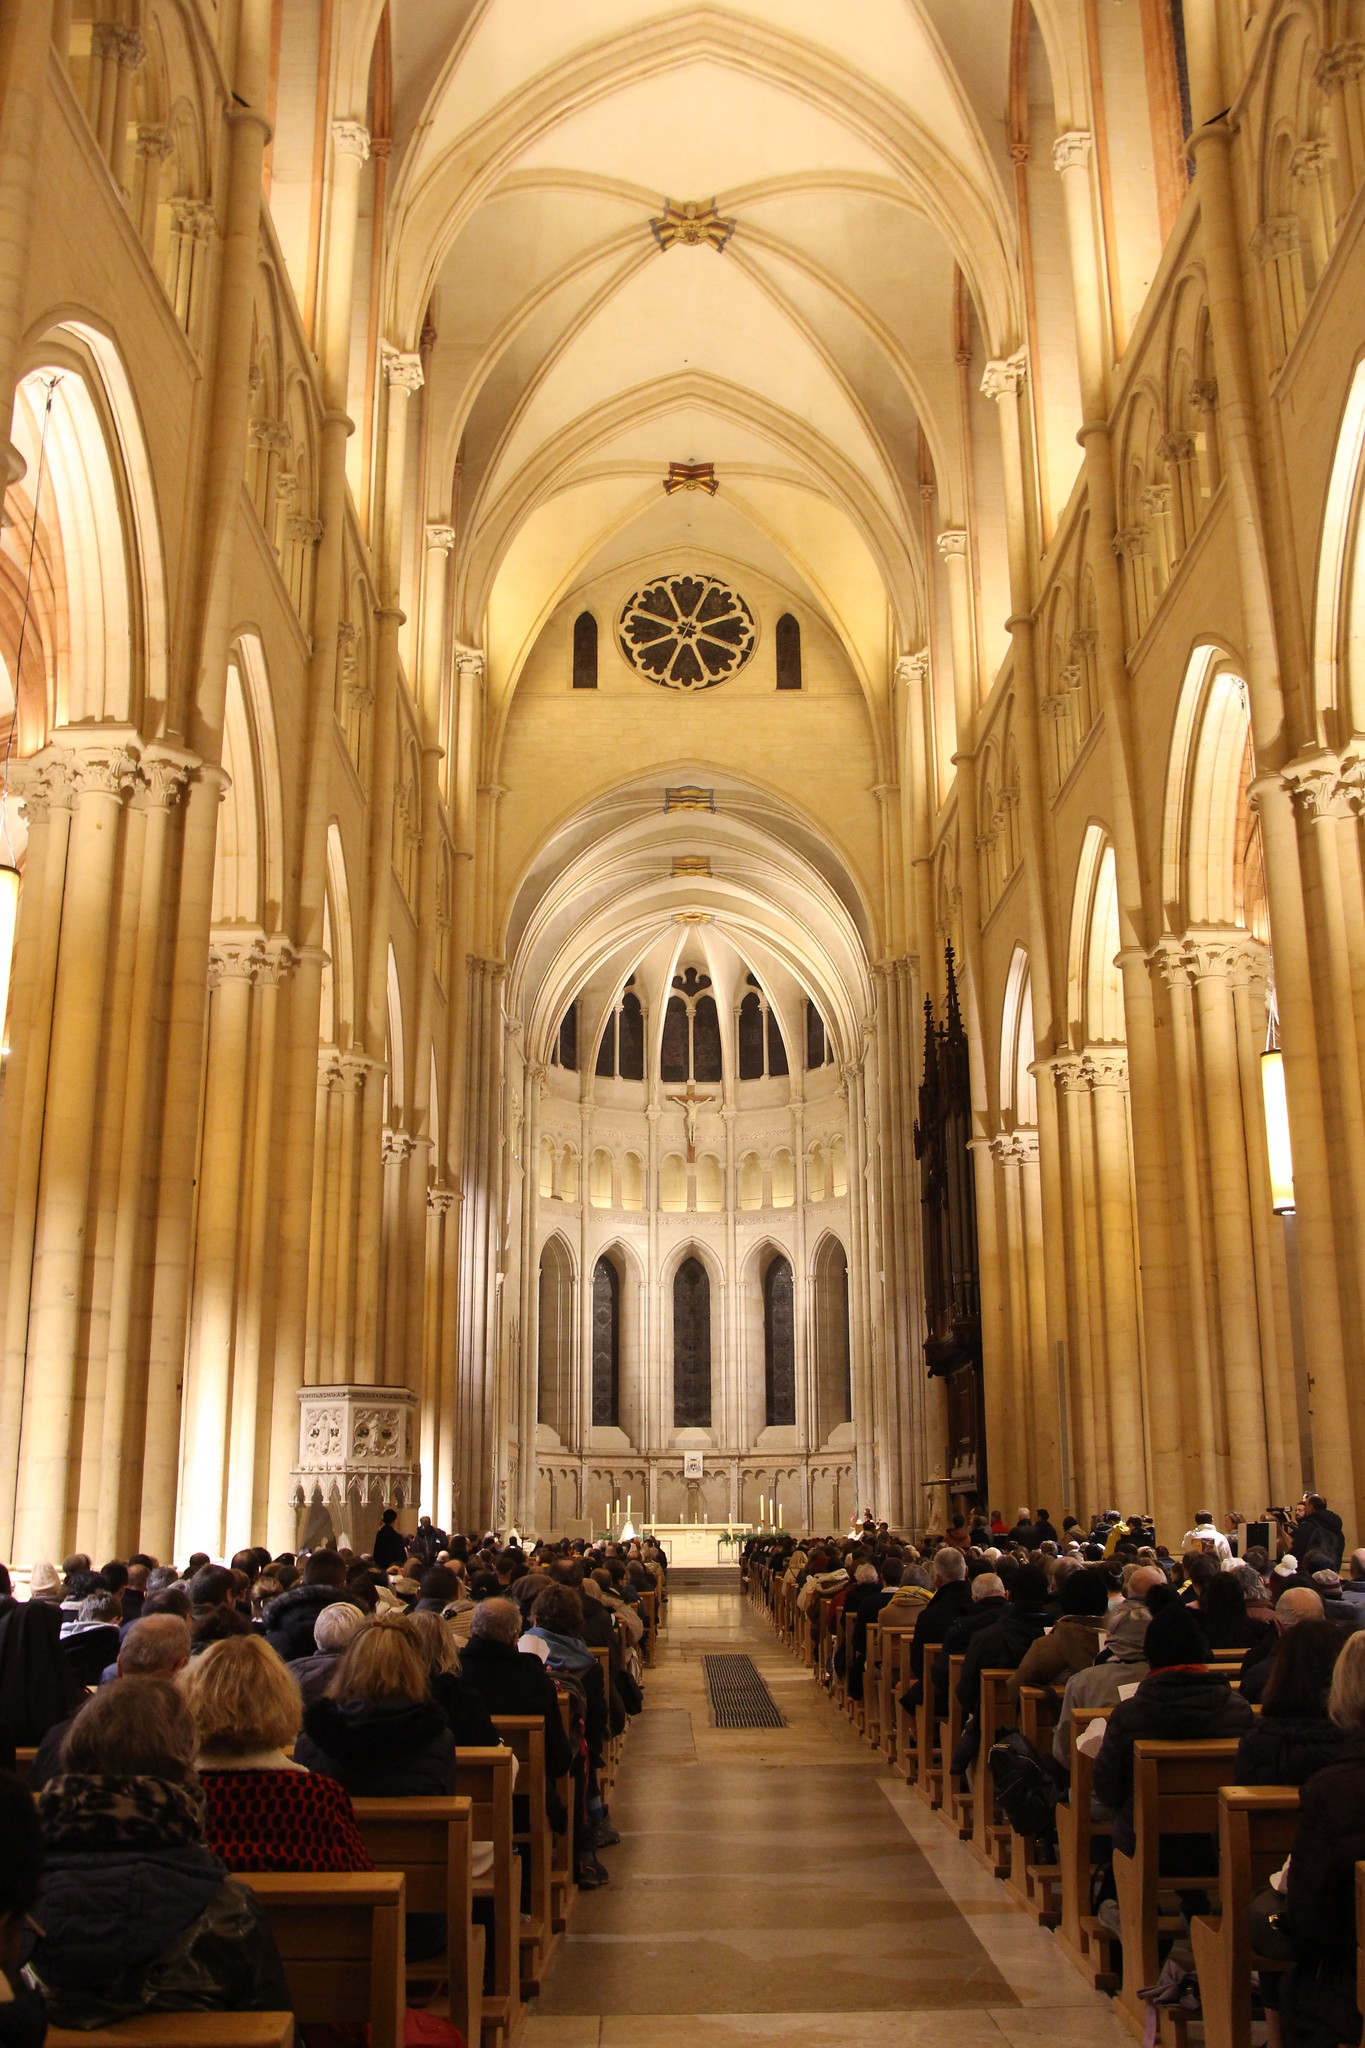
952, 1597
263, 1811
1121, 1662
1318, 1531
137, 1915
23, 2021
1294, 1607
377, 1728
465, 1709
989, 1603
1002, 1647
389, 1546
429, 1541
1294, 1735
332, 1630
509, 1681
289, 1625
1074, 1641
38, 1687
1180, 1700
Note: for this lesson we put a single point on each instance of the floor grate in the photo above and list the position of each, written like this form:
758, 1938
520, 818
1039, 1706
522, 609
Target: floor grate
739, 1697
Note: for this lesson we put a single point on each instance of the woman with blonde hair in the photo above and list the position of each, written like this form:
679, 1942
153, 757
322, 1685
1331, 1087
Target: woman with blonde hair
264, 1811
377, 1727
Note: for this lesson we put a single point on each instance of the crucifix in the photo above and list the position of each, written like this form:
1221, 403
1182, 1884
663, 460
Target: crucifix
689, 1103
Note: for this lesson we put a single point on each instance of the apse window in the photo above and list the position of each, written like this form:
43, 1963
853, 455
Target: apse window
788, 652
686, 632
585, 652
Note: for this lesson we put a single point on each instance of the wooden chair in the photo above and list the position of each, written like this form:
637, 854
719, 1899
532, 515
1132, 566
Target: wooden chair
340, 1938
1036, 1884
524, 1735
1256, 1826
957, 1791
185, 2030
1175, 1792
430, 1842
990, 1834
484, 1777
1089, 1945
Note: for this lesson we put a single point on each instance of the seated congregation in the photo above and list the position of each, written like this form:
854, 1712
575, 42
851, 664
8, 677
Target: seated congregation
1162, 1758
354, 1797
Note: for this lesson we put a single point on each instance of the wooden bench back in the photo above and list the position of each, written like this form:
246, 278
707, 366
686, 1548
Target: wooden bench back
1175, 1792
430, 1842
484, 1777
185, 2030
340, 1938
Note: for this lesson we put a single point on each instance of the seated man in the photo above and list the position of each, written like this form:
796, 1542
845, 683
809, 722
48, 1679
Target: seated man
989, 1602
1182, 1699
952, 1598
1073, 1643
158, 1646
513, 1682
1298, 1603
1122, 1662
1000, 1647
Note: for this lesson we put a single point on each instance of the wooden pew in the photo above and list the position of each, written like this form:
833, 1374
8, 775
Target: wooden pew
1036, 1884
484, 1777
340, 1938
957, 1792
561, 1846
649, 1614
895, 1728
990, 1835
926, 1758
185, 2030
524, 1735
1175, 1792
430, 1842
1256, 1826
1088, 1945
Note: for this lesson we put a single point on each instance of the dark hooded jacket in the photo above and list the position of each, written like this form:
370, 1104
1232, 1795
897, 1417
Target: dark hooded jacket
1286, 1749
1000, 1648
1320, 1532
380, 1749
512, 1681
949, 1602
291, 1619
1179, 1703
38, 1687
137, 1915
981, 1614
465, 1709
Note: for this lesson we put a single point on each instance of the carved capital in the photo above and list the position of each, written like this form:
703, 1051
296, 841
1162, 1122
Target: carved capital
1155, 500
351, 138
163, 778
1204, 394
119, 42
953, 544
1341, 65
1235, 957
912, 670
1070, 1073
1071, 152
398, 1147
440, 1201
1168, 959
1130, 542
1176, 448
1281, 236
470, 663
440, 539
192, 219
1106, 1066
153, 145
1004, 375
308, 532
1321, 788
402, 371
1057, 704
1311, 160
271, 434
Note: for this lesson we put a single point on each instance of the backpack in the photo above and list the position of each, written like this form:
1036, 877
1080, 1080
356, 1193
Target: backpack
1023, 1784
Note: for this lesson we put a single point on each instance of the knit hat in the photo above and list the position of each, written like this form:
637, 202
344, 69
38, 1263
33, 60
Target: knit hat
1287, 1568
1175, 1637
43, 1580
1327, 1581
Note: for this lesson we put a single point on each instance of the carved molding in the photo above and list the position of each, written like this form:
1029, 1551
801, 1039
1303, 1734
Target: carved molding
440, 539
1071, 151
351, 138
1004, 375
402, 370
952, 544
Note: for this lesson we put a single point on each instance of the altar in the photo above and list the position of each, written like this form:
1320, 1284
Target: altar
700, 1546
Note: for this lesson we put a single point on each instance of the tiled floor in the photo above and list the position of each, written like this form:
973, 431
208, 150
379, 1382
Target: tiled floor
781, 1885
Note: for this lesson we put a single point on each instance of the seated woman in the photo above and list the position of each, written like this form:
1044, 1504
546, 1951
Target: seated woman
377, 1728
464, 1708
263, 1811
1294, 1735
1317, 1995
137, 1914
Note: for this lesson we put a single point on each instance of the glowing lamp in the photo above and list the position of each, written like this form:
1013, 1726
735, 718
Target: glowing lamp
9, 912
1278, 1150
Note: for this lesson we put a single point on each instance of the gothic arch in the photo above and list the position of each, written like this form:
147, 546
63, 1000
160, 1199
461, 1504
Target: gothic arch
1094, 984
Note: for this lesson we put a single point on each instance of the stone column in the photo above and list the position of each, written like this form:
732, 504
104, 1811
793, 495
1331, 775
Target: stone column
25, 48
1123, 1364
533, 1091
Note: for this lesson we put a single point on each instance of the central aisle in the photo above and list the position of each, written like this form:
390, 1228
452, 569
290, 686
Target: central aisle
781, 1885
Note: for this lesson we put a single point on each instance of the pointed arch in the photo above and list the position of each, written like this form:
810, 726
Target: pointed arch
339, 944
1212, 863
830, 1333
1094, 984
556, 1328
1018, 1089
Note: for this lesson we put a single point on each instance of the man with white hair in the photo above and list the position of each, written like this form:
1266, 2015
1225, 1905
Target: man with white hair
332, 1630
1298, 1603
989, 1601
951, 1599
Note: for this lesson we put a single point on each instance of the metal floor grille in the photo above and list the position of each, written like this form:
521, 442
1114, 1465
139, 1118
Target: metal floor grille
739, 1697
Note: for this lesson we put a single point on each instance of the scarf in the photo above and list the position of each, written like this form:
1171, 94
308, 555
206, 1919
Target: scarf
107, 1813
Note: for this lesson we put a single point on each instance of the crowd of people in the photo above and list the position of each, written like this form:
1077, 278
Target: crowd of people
1106, 1617
193, 1722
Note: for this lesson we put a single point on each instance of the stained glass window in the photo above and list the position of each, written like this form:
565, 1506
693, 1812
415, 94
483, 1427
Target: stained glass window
585, 652
691, 1346
687, 632
779, 1343
606, 1345
788, 650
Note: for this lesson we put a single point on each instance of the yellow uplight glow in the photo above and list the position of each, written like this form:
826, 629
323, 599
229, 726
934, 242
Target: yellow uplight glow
9, 912
1278, 1149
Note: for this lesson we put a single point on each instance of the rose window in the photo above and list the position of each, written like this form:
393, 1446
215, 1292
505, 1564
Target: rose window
687, 632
